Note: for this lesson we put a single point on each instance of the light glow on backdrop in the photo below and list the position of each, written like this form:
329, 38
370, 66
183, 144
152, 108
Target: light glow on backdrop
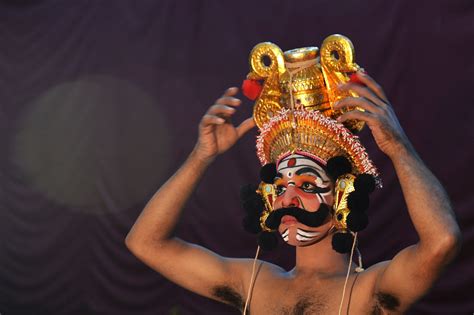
95, 141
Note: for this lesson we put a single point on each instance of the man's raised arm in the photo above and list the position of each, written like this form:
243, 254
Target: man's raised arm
413, 271
150, 238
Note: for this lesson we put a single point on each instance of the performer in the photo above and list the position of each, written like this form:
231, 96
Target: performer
316, 179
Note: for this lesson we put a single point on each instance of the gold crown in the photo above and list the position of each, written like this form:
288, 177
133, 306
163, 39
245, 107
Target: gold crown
308, 76
294, 111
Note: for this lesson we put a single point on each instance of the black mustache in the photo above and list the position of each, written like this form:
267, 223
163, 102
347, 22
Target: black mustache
312, 219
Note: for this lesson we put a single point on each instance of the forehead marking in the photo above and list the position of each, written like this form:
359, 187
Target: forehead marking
292, 162
297, 161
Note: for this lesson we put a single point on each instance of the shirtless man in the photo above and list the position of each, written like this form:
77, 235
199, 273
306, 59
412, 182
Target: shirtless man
315, 284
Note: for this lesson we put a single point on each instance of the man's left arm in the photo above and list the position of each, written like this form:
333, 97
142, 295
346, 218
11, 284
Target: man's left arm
412, 272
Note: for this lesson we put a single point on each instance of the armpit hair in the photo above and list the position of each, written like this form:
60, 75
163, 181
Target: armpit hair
229, 296
385, 301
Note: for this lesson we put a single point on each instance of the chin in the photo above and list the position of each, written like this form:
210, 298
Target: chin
297, 243
300, 235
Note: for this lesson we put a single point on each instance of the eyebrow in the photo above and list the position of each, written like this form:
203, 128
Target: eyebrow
307, 170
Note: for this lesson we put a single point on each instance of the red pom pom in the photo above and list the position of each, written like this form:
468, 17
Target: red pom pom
251, 89
355, 79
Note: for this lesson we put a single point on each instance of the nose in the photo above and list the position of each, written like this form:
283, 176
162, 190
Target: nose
290, 199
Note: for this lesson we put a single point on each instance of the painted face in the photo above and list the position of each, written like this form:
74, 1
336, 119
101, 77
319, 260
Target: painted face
303, 183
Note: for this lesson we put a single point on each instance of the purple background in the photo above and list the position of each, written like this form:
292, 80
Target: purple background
99, 104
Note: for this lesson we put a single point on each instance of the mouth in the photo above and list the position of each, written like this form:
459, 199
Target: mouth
288, 219
302, 236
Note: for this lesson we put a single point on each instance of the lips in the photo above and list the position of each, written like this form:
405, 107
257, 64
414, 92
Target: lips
288, 219
312, 219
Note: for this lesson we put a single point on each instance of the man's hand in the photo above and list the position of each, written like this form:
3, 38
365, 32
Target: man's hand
216, 131
378, 114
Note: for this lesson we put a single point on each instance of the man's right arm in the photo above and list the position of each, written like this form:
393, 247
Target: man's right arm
150, 239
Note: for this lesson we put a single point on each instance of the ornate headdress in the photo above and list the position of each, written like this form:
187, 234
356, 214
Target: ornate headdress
294, 112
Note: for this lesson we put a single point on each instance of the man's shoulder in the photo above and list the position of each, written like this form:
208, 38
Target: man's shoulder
261, 266
368, 277
376, 269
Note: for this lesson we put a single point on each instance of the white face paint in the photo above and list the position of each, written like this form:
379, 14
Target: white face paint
306, 236
285, 235
289, 165
303, 183
292, 166
301, 235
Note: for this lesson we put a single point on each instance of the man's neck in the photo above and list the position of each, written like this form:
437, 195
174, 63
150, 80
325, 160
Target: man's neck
320, 259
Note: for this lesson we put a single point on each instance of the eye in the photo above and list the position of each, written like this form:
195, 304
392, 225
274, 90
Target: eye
280, 189
309, 188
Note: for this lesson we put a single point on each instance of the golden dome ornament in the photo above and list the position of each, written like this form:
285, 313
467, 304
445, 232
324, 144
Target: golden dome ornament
304, 77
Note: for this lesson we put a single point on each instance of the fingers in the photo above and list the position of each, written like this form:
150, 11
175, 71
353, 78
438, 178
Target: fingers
209, 120
359, 102
221, 110
245, 126
372, 85
231, 91
229, 100
358, 115
224, 106
217, 115
363, 92
371, 96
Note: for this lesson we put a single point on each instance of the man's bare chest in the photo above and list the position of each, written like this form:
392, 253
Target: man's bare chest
296, 299
303, 305
321, 298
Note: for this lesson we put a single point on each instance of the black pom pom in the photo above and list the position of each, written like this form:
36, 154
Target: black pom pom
251, 224
337, 166
358, 201
364, 183
357, 221
268, 173
342, 242
248, 191
267, 240
254, 205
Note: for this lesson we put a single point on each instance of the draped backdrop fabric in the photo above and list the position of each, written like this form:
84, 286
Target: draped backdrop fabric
99, 105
